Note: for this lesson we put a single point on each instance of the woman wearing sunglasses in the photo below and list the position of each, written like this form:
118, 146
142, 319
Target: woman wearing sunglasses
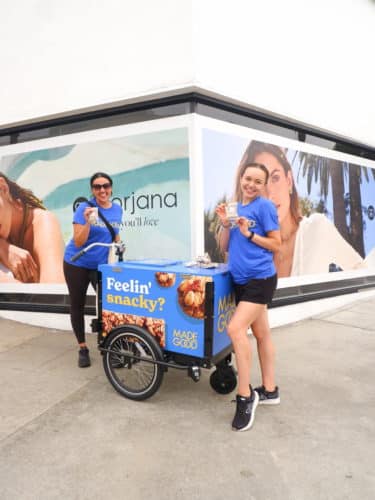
89, 228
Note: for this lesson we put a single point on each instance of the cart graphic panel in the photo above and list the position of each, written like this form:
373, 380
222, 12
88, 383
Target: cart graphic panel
170, 301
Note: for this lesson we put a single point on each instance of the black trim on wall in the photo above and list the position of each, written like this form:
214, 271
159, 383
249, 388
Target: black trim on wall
42, 302
284, 296
315, 291
185, 103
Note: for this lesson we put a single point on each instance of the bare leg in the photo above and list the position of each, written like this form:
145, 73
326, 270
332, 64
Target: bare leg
266, 350
246, 313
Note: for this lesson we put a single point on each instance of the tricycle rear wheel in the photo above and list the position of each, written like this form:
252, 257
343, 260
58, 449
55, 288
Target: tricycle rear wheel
133, 378
223, 380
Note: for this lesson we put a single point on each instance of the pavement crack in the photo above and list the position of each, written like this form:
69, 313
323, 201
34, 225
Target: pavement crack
344, 323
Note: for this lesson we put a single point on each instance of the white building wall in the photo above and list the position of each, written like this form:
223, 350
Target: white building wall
61, 56
309, 61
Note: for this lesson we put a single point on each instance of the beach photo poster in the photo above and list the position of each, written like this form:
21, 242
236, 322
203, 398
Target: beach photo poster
335, 197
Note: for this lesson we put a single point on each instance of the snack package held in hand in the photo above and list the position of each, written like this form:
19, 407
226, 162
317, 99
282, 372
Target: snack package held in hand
231, 210
93, 217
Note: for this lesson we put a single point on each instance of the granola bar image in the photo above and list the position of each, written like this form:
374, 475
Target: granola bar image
155, 326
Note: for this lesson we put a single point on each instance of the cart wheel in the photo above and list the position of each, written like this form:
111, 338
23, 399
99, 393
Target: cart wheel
133, 378
223, 380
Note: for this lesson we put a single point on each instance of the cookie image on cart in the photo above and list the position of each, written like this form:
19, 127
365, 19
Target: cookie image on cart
166, 280
192, 296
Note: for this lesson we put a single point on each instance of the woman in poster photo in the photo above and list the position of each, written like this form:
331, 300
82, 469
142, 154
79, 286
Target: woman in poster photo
88, 228
308, 244
251, 241
31, 243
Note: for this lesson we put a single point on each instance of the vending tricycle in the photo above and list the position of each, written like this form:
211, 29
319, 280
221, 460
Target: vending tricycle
159, 314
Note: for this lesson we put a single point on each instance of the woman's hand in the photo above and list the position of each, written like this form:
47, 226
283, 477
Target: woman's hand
90, 211
243, 225
222, 214
222, 237
271, 241
22, 264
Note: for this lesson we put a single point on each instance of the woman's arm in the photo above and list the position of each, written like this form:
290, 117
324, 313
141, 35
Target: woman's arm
224, 230
48, 247
271, 242
81, 231
223, 238
19, 261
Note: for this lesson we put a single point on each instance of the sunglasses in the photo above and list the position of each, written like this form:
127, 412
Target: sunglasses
97, 187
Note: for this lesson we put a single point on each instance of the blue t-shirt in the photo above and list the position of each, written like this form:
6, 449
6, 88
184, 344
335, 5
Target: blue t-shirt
98, 233
247, 260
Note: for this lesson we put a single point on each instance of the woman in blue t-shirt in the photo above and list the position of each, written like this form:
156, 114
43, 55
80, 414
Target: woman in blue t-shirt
87, 229
251, 241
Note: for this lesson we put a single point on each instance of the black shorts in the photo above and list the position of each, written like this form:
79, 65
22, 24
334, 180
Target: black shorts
258, 291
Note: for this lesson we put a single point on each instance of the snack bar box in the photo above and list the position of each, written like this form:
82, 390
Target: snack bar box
186, 308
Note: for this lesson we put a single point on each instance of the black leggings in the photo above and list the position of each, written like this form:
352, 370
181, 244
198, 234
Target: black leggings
78, 280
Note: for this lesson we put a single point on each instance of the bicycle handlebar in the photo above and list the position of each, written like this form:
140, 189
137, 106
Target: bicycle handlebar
120, 249
77, 255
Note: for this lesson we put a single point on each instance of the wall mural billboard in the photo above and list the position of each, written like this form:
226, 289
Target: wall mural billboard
150, 173
325, 205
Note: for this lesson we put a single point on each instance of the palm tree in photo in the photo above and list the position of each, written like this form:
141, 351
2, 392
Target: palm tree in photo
355, 204
327, 170
318, 168
337, 172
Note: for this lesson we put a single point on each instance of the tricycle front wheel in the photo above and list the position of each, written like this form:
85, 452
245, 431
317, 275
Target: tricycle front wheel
130, 364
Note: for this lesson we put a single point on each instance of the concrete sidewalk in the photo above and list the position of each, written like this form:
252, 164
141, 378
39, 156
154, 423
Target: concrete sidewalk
66, 434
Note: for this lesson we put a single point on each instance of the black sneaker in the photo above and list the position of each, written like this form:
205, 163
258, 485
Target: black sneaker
245, 412
268, 397
83, 357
